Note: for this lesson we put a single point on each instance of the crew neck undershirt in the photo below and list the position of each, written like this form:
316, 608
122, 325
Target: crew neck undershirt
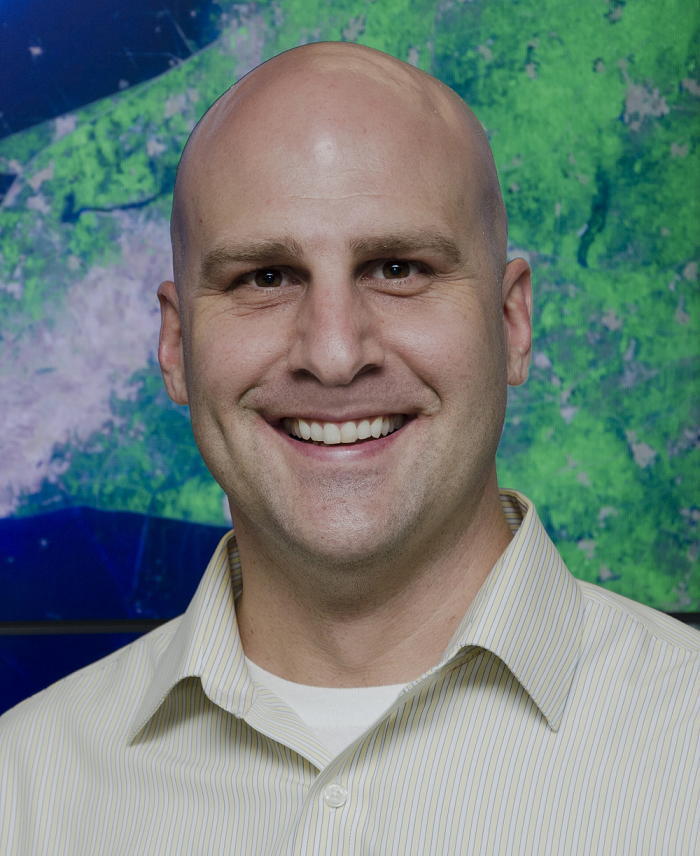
336, 715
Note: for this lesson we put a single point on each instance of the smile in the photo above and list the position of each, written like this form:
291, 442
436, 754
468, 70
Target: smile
335, 433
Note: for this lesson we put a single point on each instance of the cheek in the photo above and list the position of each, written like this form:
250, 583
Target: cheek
230, 354
455, 347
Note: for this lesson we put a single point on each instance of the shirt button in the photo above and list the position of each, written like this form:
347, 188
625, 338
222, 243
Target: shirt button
335, 795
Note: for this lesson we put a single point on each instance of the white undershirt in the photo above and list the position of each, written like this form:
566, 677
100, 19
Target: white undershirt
336, 715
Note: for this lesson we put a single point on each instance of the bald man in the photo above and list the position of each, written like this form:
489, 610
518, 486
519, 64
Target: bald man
388, 656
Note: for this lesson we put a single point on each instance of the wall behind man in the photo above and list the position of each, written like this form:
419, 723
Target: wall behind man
107, 512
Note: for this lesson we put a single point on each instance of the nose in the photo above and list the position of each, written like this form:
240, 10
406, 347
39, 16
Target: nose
336, 337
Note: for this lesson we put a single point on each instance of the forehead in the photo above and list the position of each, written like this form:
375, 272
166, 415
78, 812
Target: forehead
332, 153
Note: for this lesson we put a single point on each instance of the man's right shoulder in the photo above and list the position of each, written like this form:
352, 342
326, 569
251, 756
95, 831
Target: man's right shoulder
111, 686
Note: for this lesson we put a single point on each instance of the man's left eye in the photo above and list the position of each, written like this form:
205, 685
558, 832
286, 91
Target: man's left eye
397, 270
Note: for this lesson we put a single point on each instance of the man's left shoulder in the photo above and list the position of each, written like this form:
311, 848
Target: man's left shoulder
637, 685
625, 617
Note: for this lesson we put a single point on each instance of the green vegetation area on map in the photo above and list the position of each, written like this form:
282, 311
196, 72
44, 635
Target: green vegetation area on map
592, 112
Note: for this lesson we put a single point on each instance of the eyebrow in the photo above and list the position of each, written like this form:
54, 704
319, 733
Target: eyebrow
408, 243
288, 250
258, 252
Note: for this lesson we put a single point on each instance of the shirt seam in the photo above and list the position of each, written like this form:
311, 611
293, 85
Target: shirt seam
591, 595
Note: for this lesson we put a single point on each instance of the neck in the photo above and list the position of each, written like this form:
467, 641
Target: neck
384, 622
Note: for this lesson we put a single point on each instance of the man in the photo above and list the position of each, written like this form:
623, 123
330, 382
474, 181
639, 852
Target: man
390, 656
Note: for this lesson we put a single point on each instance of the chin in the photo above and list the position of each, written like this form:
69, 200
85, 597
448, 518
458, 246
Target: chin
348, 540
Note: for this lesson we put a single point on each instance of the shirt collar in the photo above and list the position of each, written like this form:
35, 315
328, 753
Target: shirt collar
528, 613
206, 643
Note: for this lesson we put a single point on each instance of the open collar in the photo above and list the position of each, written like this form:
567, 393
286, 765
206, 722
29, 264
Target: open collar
206, 643
528, 613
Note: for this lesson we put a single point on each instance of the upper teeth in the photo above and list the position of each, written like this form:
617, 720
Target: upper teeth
332, 433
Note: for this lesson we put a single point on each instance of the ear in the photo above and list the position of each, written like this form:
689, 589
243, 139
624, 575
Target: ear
517, 319
170, 351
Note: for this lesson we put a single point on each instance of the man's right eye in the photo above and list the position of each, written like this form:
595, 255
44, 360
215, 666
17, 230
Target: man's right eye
268, 278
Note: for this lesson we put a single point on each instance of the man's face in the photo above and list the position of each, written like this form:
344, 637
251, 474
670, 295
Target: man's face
337, 274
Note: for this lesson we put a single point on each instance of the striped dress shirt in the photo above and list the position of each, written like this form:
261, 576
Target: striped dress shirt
562, 719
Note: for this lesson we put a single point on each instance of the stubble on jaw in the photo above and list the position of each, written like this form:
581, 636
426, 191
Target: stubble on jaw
348, 575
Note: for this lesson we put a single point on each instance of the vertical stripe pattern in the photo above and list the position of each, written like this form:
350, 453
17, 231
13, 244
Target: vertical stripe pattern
562, 719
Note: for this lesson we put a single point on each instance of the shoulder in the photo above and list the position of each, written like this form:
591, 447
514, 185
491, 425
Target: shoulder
635, 656
629, 617
98, 697
66, 746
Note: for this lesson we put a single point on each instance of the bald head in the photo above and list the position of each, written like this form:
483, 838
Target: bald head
340, 252
338, 107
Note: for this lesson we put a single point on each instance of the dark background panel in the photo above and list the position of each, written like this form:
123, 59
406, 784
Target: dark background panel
29, 664
82, 563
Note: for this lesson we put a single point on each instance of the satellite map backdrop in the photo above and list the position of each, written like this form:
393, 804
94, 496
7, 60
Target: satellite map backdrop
592, 112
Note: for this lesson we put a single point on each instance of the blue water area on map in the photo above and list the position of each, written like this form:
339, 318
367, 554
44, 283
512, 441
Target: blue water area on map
81, 563
57, 55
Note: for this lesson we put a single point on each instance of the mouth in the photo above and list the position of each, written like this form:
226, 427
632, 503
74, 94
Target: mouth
342, 433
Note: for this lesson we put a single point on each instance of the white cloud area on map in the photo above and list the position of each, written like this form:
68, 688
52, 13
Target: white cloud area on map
59, 375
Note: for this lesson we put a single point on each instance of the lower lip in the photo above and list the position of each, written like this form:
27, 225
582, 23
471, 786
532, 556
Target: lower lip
340, 451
